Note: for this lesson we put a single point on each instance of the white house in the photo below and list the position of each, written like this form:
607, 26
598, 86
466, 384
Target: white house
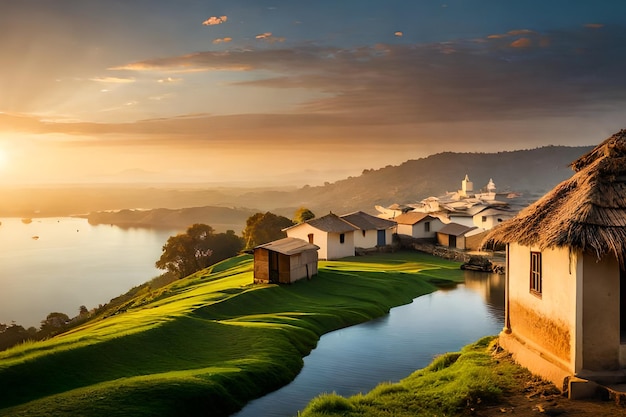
418, 225
491, 217
333, 235
372, 231
565, 304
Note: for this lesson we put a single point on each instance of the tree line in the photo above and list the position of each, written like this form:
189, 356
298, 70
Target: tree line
183, 254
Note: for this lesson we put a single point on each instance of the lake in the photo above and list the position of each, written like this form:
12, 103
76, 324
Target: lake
358, 358
59, 264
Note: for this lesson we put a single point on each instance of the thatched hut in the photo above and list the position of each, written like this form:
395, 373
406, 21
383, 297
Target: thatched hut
566, 280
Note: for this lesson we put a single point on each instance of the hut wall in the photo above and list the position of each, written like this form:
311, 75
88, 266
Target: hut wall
303, 265
284, 268
261, 265
601, 313
443, 239
547, 322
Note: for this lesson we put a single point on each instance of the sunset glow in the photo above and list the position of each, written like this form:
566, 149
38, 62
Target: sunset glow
213, 91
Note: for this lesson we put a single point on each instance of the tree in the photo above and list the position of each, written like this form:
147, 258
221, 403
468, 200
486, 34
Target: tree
187, 252
303, 214
264, 227
54, 323
196, 249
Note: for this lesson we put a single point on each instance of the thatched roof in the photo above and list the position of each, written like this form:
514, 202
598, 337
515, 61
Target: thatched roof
586, 212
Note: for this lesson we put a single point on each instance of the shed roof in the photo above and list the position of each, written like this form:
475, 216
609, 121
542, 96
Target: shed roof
412, 217
586, 212
455, 229
289, 246
366, 221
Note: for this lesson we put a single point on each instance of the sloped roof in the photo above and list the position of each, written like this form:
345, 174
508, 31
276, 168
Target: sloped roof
411, 217
496, 212
366, 221
586, 212
330, 223
455, 229
289, 246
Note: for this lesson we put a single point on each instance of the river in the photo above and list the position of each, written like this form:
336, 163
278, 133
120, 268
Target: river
357, 358
58, 264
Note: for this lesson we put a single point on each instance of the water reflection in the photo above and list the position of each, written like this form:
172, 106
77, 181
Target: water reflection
356, 359
71, 263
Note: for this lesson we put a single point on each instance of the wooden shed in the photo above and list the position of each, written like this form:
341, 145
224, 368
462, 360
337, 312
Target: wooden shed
285, 261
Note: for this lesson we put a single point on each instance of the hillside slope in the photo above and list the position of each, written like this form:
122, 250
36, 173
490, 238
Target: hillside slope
211, 341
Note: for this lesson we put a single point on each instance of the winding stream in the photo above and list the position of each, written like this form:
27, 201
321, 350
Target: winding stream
358, 358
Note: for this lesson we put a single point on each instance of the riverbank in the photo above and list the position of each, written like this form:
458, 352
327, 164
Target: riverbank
211, 341
481, 380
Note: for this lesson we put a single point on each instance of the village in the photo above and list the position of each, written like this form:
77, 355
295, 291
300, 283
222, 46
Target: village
565, 302
452, 225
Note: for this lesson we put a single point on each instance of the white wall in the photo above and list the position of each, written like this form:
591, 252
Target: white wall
370, 240
539, 320
490, 221
464, 220
329, 243
302, 231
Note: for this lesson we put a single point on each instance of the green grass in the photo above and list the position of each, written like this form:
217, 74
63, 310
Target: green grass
212, 341
451, 385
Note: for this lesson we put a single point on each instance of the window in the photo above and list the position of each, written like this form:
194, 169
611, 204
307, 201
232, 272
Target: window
342, 238
427, 226
483, 219
311, 238
535, 273
363, 233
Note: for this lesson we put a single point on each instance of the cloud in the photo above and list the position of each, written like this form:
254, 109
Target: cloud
222, 40
113, 80
169, 80
265, 35
268, 37
399, 34
522, 43
578, 72
594, 25
215, 20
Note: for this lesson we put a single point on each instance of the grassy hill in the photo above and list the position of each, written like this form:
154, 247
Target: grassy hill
212, 341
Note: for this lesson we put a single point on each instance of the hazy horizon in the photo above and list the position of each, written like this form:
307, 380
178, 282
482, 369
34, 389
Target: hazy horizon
275, 93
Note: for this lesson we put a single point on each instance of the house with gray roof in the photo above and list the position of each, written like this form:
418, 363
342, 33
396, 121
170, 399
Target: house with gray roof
372, 231
333, 235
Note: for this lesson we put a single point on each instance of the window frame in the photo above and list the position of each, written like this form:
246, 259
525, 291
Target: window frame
536, 274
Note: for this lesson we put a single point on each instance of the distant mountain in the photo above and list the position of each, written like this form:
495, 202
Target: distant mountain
532, 172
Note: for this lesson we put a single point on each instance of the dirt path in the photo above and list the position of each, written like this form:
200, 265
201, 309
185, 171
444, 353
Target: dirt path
532, 396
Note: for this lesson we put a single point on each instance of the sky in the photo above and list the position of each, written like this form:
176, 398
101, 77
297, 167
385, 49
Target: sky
291, 91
